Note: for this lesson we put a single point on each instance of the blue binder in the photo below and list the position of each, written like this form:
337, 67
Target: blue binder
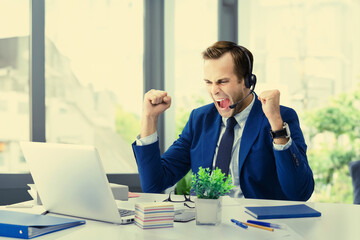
284, 211
26, 225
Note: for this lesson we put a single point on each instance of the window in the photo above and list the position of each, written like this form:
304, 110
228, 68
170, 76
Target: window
14, 77
309, 50
189, 43
94, 81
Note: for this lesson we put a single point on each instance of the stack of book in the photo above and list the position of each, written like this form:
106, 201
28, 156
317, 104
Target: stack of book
154, 215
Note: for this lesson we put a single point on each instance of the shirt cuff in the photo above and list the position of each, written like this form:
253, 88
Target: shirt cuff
281, 147
146, 140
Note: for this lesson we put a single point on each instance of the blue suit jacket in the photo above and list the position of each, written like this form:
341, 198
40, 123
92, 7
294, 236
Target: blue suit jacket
264, 172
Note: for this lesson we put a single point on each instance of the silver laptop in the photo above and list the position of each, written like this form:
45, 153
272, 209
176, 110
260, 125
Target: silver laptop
70, 180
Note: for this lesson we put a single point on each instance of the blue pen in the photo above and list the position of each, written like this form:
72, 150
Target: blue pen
265, 224
240, 224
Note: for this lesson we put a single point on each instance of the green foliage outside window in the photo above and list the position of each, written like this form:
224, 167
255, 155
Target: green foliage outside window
127, 124
184, 185
334, 132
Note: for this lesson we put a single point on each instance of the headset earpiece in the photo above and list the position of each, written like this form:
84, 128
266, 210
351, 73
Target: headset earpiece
250, 78
252, 81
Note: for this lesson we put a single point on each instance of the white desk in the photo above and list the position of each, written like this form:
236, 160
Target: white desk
338, 221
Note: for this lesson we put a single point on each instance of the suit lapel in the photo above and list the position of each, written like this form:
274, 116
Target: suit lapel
251, 131
212, 130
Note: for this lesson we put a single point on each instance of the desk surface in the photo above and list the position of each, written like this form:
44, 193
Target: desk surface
338, 221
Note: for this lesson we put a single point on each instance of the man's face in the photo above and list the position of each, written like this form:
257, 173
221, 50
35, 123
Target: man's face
223, 85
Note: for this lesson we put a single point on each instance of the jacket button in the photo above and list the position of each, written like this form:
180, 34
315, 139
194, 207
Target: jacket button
296, 159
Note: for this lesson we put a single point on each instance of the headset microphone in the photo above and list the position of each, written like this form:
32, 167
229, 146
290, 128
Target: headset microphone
234, 105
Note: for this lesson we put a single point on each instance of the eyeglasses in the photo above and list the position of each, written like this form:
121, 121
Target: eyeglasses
186, 199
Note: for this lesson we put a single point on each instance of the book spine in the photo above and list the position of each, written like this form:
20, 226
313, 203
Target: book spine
15, 231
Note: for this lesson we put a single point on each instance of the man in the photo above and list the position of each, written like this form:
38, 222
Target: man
268, 157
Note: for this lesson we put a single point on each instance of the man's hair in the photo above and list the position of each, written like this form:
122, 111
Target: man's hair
241, 62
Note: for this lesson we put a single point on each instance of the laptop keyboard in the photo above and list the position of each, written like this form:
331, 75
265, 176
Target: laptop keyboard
126, 212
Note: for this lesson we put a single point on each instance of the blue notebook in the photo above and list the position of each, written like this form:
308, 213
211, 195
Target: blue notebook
26, 225
285, 211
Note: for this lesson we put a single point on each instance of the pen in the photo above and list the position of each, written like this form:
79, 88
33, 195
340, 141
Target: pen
265, 224
259, 226
240, 224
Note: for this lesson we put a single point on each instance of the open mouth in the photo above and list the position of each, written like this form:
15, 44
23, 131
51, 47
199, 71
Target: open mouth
223, 103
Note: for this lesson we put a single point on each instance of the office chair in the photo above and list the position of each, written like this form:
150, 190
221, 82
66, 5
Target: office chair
354, 168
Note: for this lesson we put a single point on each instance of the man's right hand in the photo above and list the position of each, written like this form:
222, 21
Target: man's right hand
155, 103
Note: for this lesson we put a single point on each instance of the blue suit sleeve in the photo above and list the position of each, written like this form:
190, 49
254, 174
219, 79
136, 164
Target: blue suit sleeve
158, 172
294, 173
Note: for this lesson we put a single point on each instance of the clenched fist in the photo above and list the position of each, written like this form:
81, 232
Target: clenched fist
270, 101
155, 103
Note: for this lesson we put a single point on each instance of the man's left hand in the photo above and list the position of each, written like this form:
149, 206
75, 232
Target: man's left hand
270, 101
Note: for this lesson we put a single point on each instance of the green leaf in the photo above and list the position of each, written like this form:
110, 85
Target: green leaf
211, 184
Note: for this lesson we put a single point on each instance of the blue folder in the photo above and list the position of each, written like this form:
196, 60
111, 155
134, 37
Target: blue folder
26, 225
284, 211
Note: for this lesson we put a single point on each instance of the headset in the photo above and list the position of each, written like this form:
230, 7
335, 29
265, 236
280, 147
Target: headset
249, 78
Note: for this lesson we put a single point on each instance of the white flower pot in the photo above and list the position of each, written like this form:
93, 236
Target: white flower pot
208, 211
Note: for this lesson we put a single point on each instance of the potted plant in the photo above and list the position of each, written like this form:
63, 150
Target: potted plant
209, 186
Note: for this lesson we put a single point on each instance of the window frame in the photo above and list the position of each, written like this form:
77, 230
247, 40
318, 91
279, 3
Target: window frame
14, 185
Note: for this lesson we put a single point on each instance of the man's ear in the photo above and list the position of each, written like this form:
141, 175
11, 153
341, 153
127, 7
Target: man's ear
242, 82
